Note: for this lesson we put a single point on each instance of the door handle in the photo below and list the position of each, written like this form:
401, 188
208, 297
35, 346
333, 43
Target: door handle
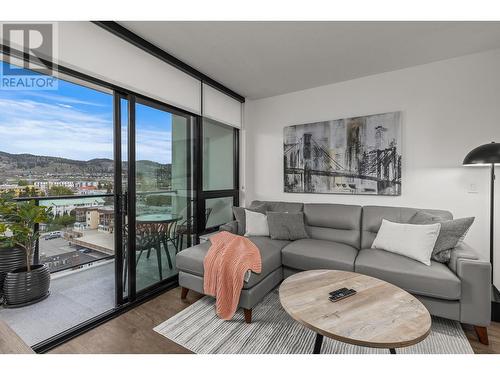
125, 203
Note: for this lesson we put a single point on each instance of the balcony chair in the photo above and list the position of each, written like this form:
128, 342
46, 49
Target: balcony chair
186, 228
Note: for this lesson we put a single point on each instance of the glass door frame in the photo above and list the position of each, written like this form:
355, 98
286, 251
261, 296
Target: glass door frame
125, 201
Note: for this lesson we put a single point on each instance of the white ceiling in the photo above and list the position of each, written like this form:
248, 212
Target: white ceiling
262, 59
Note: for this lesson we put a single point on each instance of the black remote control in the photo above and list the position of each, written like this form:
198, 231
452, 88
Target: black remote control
342, 290
341, 294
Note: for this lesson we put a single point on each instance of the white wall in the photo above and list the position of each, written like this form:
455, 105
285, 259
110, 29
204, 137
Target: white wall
90, 49
448, 108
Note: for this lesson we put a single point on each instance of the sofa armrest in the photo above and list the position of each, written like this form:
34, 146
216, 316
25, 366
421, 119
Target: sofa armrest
475, 279
462, 251
231, 227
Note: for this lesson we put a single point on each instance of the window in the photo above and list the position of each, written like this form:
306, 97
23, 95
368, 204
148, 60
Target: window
218, 158
56, 144
219, 187
56, 147
218, 211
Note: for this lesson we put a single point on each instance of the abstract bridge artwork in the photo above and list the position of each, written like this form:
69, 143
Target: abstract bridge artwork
357, 155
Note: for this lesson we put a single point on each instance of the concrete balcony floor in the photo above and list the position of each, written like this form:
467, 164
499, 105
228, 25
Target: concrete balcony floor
79, 295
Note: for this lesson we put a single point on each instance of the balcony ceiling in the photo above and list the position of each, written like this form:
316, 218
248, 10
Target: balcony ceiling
262, 59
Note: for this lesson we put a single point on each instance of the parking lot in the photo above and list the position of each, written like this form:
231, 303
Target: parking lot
58, 254
54, 247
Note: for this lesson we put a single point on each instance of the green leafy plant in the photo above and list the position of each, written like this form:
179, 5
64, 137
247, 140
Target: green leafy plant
17, 225
60, 190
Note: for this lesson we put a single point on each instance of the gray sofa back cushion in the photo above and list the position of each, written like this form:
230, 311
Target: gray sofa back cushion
240, 215
286, 225
373, 215
333, 222
281, 206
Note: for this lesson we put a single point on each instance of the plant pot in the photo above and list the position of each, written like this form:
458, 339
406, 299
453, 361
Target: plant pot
10, 259
23, 288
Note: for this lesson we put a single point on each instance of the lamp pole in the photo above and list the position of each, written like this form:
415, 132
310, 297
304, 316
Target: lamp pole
489, 154
492, 216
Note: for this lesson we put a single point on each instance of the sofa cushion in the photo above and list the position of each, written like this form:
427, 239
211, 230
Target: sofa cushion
333, 222
436, 280
190, 260
450, 234
256, 224
410, 240
240, 215
308, 254
280, 206
286, 225
373, 215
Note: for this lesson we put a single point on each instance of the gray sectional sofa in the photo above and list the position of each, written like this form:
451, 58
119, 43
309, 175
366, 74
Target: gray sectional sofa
340, 237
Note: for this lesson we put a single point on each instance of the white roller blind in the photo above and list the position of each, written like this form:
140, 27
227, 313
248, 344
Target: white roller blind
92, 50
220, 107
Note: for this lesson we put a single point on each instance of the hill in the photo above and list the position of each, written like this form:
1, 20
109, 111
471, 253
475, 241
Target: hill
37, 166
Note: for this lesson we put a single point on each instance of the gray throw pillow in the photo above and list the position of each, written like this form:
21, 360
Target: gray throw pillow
451, 233
286, 226
239, 215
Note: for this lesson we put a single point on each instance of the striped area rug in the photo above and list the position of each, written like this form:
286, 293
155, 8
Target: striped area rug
272, 331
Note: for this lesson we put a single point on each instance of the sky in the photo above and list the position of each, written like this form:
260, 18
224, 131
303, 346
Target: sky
76, 122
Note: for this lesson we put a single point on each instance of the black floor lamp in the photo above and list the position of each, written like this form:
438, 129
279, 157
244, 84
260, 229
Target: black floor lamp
488, 154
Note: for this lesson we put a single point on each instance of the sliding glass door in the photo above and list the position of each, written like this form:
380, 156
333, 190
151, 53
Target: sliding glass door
130, 181
158, 215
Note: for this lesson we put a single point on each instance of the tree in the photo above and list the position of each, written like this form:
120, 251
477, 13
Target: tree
59, 222
60, 190
7, 195
17, 225
29, 192
158, 200
22, 183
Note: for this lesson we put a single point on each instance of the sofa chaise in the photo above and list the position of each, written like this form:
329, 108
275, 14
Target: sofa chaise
340, 238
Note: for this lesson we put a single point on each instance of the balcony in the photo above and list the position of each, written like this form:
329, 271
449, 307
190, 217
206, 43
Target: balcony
76, 295
81, 258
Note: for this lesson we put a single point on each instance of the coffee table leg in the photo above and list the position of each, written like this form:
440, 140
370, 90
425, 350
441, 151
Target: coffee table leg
392, 350
318, 343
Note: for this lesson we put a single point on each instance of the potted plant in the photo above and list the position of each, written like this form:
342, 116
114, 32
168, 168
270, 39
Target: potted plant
27, 283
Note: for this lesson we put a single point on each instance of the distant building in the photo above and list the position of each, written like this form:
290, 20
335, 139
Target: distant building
84, 184
62, 207
46, 185
74, 185
89, 190
19, 190
86, 218
106, 219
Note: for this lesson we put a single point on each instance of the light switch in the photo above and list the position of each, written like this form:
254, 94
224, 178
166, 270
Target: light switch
473, 189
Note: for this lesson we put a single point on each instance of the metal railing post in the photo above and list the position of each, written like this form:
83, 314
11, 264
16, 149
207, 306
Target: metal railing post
36, 254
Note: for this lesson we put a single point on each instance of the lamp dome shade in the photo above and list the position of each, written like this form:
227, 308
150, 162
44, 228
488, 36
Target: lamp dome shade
488, 153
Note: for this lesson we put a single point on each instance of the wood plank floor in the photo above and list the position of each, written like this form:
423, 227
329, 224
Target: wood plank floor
132, 332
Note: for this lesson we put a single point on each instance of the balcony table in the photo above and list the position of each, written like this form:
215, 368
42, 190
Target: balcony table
155, 229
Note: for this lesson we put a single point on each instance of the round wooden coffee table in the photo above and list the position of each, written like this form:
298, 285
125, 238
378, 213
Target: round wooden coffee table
379, 315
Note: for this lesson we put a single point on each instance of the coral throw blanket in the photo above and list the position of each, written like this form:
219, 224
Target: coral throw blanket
230, 256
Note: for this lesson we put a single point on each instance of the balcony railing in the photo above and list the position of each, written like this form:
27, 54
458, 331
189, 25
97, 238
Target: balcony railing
61, 246
64, 245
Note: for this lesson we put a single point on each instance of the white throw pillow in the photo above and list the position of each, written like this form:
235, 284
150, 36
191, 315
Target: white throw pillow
414, 241
256, 224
